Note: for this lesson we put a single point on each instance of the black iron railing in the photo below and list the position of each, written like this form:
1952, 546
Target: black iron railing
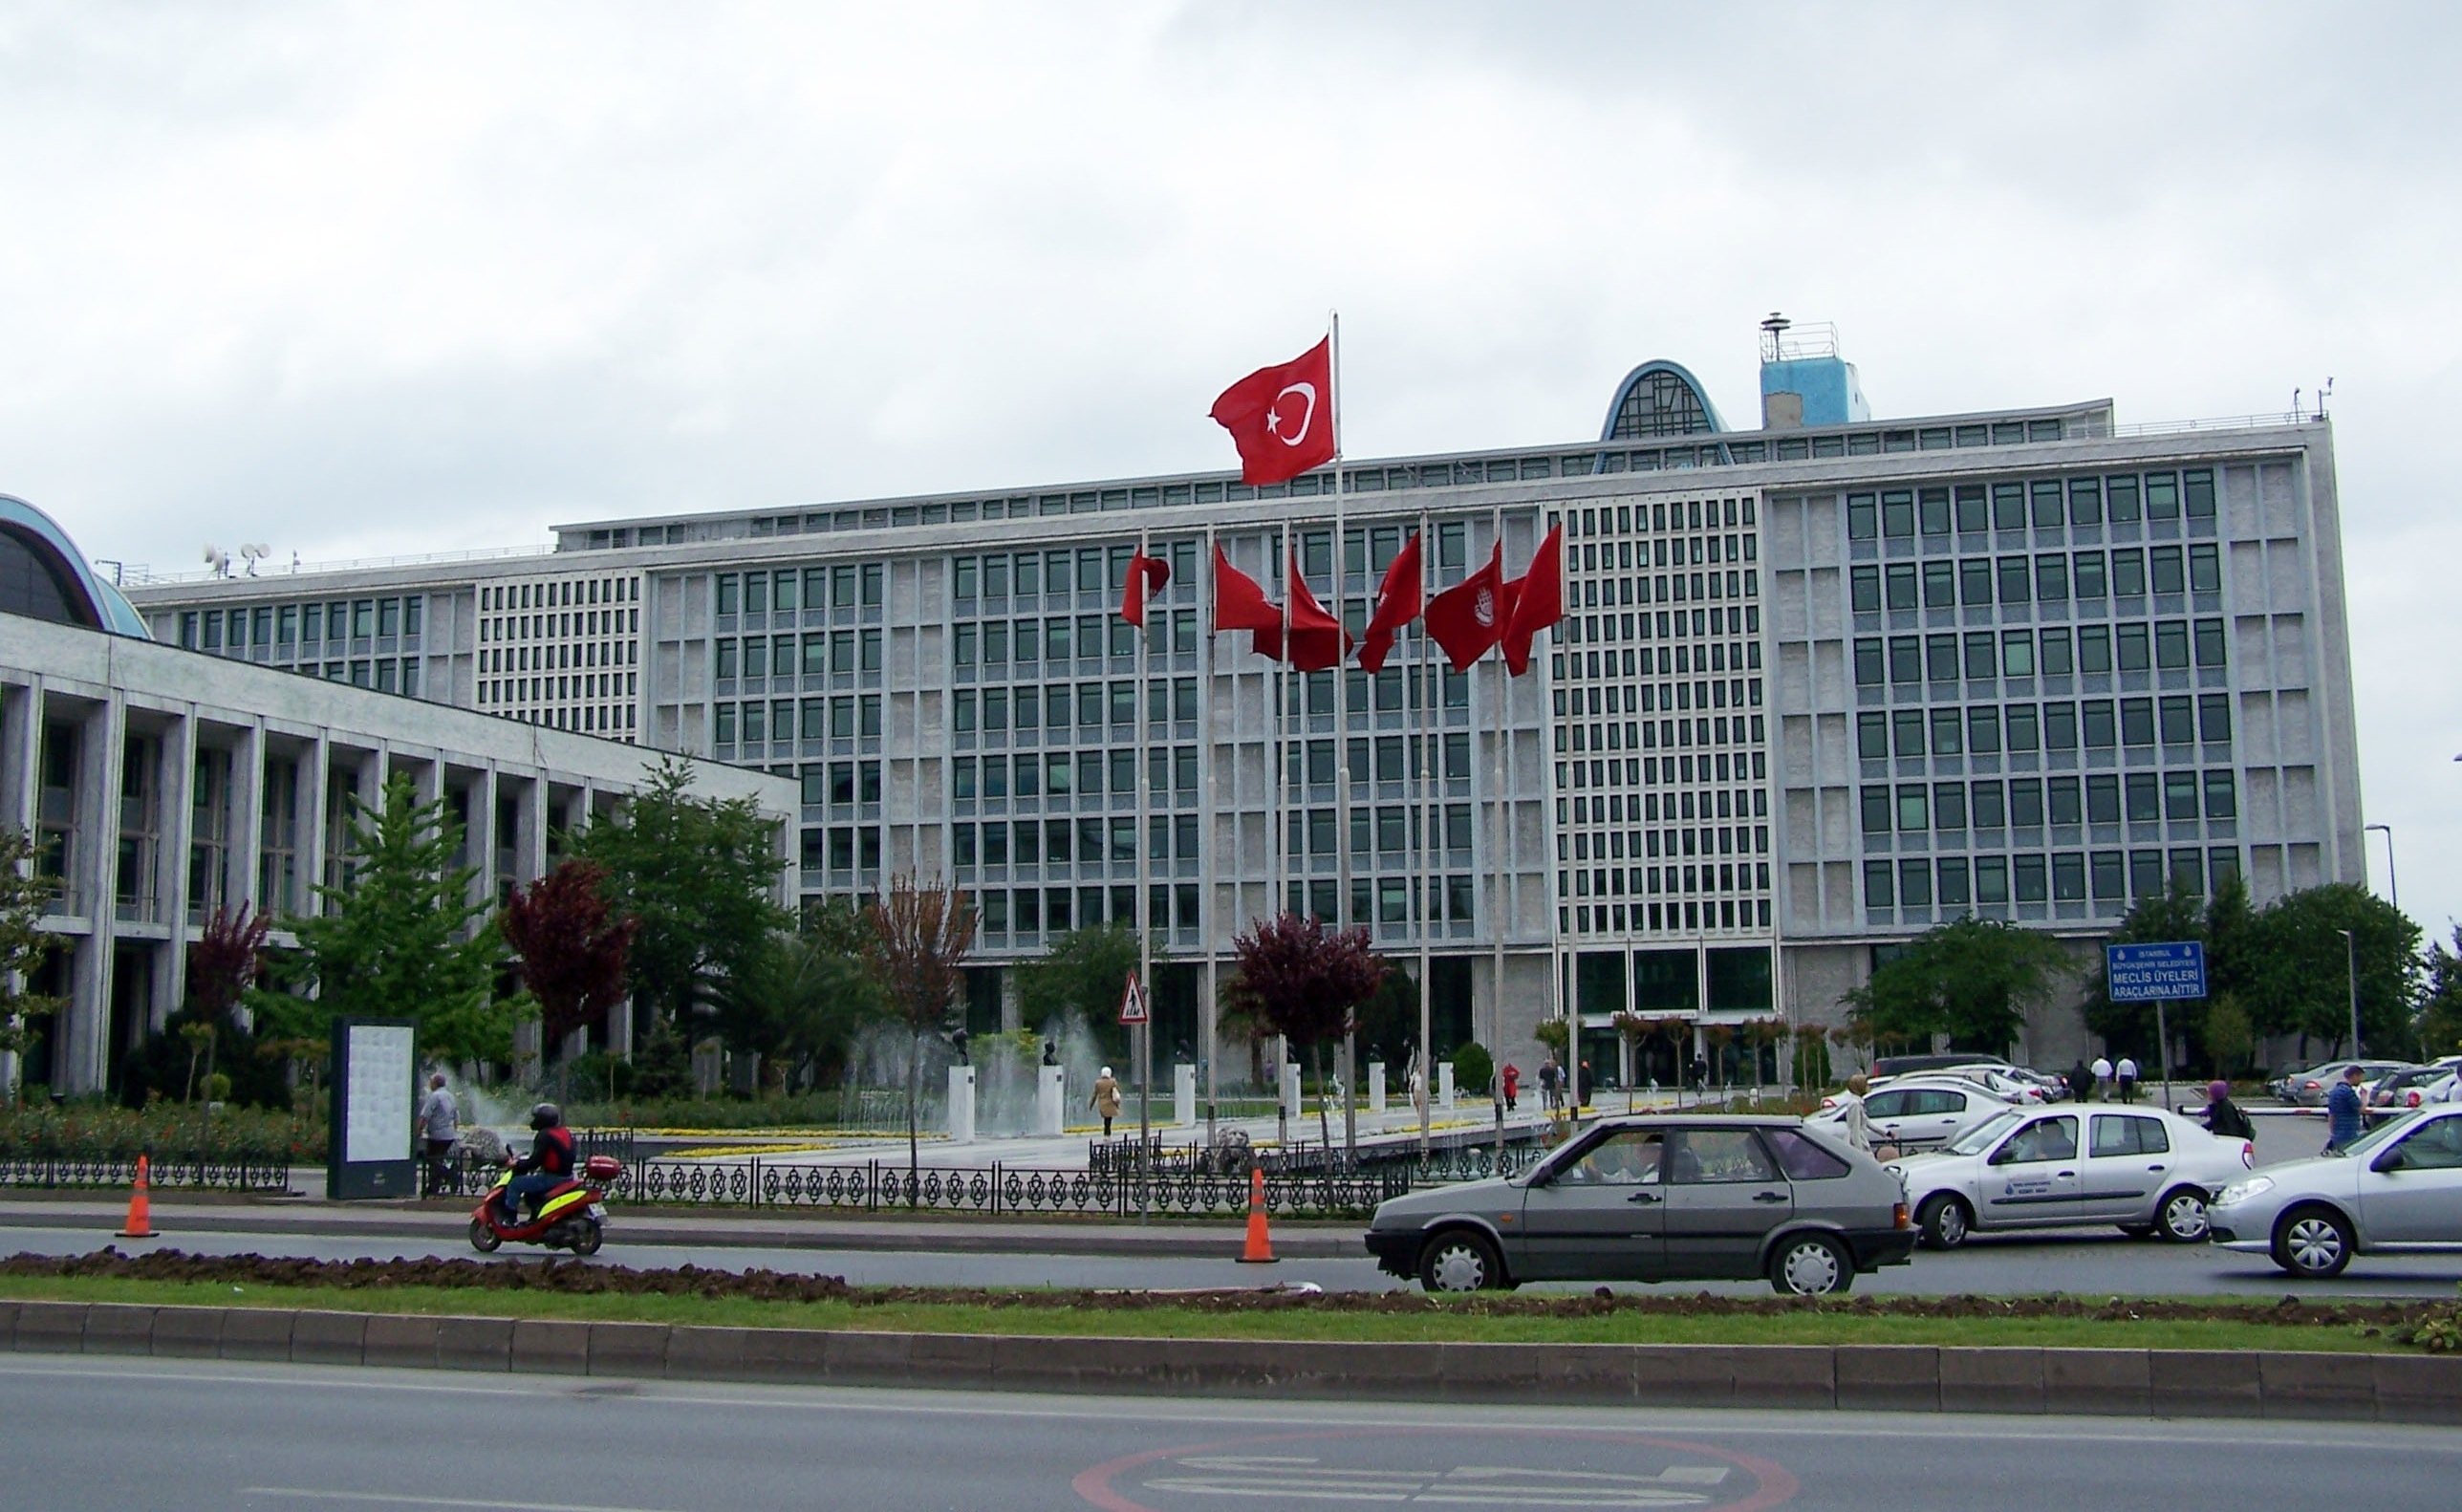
997, 1190
231, 1172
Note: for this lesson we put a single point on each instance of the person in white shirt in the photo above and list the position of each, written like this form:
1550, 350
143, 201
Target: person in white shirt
2127, 1073
2101, 1069
1857, 1123
440, 1122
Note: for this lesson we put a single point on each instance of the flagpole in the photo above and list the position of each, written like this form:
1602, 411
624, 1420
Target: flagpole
1279, 902
1498, 767
1430, 762
1208, 908
1142, 912
1342, 739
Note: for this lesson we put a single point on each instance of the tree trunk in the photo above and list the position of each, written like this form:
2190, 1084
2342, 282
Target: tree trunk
1323, 1128
914, 1093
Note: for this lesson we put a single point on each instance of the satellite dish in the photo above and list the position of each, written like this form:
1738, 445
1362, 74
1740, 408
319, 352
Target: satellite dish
218, 559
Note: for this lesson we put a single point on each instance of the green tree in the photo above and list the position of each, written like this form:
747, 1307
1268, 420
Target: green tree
406, 937
2301, 967
2230, 1038
2175, 913
1970, 980
1085, 972
2440, 1006
699, 875
802, 998
23, 943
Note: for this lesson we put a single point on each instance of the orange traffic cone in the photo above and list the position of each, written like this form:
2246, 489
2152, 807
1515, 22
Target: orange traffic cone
140, 1208
1260, 1248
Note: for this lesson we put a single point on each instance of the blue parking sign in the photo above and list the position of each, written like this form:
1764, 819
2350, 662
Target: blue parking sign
2156, 972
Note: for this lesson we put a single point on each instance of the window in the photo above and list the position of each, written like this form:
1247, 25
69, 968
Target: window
1955, 889
2015, 588
1804, 1160
2018, 652
1863, 516
2137, 722
2145, 806
2069, 878
2131, 647
2008, 506
2121, 495
2180, 795
2121, 1135
2178, 722
1906, 658
1908, 729
1989, 803
1902, 587
2171, 644
1898, 513
1939, 585
2086, 574
2060, 800
2094, 649
2205, 568
1914, 805
1876, 811
1983, 660
1718, 1156
1975, 580
1992, 879
1940, 657
2030, 877
2129, 572
2047, 503
2210, 643
1867, 662
1947, 732
1872, 735
2026, 733
1972, 511
2026, 802
2097, 729
2110, 883
2213, 718
1984, 731
1915, 884
1932, 509
2052, 578
2056, 661
1949, 805
2164, 569
2103, 799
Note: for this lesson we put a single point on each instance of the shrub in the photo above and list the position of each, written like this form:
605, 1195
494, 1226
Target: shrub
1472, 1068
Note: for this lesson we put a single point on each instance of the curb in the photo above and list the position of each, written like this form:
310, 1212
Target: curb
2121, 1383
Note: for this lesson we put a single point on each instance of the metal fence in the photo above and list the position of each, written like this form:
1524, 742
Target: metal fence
998, 1190
1455, 1160
80, 1171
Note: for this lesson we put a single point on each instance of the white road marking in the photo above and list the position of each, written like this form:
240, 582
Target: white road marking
403, 1499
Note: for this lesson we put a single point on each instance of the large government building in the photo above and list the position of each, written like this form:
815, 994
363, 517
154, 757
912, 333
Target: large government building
1822, 684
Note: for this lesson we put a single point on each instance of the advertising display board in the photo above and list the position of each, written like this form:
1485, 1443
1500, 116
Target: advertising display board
375, 1087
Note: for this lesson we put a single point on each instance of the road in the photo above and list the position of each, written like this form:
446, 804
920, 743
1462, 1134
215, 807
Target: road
89, 1435
2080, 1262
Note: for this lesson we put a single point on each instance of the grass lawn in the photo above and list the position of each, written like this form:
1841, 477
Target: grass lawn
1463, 1322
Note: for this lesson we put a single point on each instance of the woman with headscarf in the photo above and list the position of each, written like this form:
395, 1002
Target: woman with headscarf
1106, 1100
2223, 1117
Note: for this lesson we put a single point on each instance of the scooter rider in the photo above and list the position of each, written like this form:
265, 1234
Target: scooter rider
549, 1163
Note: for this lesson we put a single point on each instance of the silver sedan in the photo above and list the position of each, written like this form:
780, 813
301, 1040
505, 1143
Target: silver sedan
2397, 1188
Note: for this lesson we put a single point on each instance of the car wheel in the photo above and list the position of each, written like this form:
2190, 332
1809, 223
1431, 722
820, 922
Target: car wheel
2314, 1242
483, 1237
1945, 1222
1459, 1262
2181, 1219
1811, 1266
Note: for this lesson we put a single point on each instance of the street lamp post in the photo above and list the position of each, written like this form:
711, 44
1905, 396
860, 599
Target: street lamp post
2393, 882
2351, 957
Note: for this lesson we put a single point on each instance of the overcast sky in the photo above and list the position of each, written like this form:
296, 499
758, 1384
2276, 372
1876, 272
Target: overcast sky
357, 280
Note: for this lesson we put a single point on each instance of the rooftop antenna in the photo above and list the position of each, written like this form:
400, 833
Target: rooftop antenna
1773, 332
217, 559
255, 552
2324, 393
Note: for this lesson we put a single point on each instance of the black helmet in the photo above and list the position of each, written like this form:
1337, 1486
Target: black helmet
546, 1116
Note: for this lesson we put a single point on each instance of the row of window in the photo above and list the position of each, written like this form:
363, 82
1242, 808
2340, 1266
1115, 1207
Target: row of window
1060, 774
1383, 759
790, 719
1618, 845
1619, 772
385, 674
1627, 808
1057, 910
2044, 577
1689, 514
1590, 629
565, 689
2168, 646
563, 624
1687, 917
2044, 504
1063, 571
1391, 830
1388, 900
997, 642
1087, 705
848, 585
564, 593
614, 721
839, 782
2027, 803
2096, 723
1068, 842
1394, 690
567, 657
1646, 881
1666, 588
2064, 877
286, 626
819, 653
844, 848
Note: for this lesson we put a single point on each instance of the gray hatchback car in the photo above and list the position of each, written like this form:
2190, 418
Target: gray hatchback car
1665, 1197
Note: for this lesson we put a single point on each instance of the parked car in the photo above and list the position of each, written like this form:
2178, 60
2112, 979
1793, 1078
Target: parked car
2308, 1089
1902, 1064
2395, 1189
2149, 1171
2410, 1088
1915, 1113
1660, 1197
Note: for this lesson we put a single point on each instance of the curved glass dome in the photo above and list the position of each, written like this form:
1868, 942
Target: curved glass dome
1659, 399
44, 576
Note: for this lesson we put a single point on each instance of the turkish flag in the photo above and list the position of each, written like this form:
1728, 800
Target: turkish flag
1147, 574
1317, 639
1238, 603
1538, 602
1282, 418
1399, 600
1467, 618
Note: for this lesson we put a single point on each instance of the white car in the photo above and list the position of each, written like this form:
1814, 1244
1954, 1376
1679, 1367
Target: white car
2398, 1188
2147, 1171
1918, 1112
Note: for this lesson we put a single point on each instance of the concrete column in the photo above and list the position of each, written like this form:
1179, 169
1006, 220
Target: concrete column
1183, 1095
1290, 1089
245, 839
1445, 1085
83, 1056
1376, 1089
1051, 1100
313, 780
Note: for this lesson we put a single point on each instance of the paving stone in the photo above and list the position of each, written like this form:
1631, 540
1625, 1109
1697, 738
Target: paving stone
189, 1332
551, 1346
628, 1349
1892, 1377
474, 1344
2313, 1385
2096, 1381
119, 1327
1992, 1380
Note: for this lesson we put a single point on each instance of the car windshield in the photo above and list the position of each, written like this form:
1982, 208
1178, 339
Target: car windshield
1979, 1138
2378, 1135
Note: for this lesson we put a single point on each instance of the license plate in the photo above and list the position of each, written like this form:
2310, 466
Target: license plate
598, 1211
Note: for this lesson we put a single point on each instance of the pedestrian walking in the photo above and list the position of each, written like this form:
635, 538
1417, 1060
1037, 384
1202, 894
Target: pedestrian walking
2101, 1069
440, 1124
1512, 1074
2080, 1081
2345, 1118
1700, 1076
2126, 1071
1551, 1081
1857, 1123
2224, 1120
1106, 1100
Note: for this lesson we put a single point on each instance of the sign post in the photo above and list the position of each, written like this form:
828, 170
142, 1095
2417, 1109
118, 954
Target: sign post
1135, 1013
2158, 974
375, 1071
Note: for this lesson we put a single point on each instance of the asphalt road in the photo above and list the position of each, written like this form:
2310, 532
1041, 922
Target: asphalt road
2081, 1262
89, 1435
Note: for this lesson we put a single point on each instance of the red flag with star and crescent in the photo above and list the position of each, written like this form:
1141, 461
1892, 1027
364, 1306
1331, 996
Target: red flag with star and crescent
1467, 618
1398, 603
1147, 574
1282, 418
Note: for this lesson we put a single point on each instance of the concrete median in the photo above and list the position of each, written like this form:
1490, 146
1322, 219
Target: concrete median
2134, 1383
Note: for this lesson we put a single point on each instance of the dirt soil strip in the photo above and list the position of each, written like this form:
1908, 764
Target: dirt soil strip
573, 1277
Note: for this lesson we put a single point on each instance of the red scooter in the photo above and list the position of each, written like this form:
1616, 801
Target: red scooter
571, 1216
